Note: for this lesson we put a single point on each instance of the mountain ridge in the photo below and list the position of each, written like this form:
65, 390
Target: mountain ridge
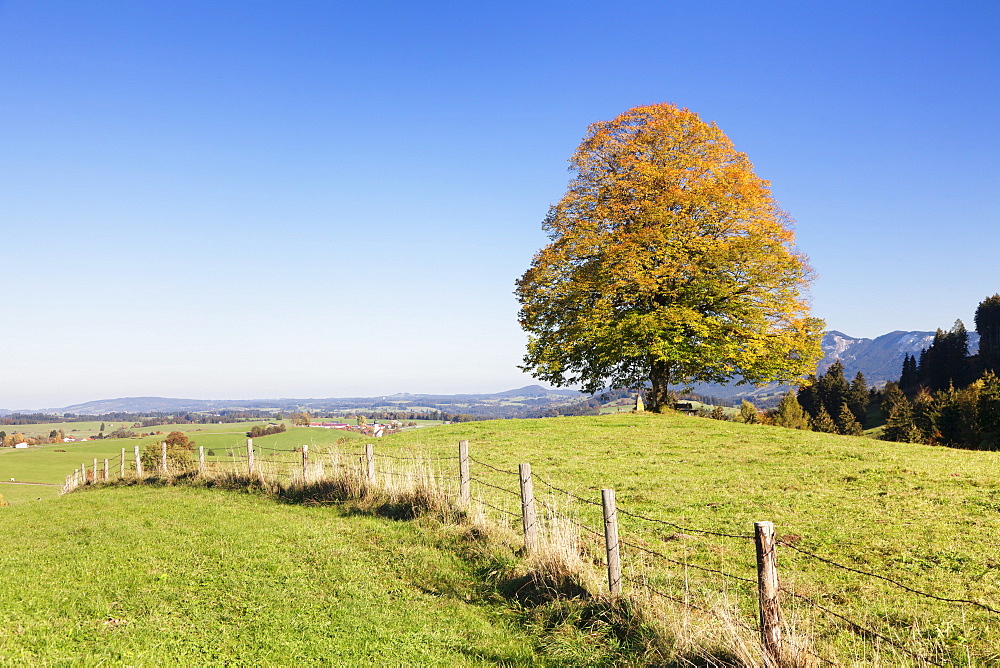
880, 360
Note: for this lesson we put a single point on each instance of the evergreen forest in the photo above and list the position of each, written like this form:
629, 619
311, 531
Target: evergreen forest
944, 395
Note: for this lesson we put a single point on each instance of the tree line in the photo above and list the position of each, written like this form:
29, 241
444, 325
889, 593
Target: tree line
142, 419
945, 396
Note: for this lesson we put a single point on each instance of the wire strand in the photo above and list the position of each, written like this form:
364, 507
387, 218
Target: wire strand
890, 580
687, 565
487, 484
494, 468
564, 491
501, 510
683, 528
858, 627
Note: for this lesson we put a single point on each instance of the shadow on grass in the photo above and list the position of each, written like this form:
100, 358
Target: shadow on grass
553, 599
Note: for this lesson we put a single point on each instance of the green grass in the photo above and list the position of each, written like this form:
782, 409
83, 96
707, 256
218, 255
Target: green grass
187, 576
926, 516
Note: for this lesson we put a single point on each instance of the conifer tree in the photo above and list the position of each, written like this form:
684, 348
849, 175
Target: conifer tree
899, 427
988, 411
790, 413
988, 327
946, 362
846, 422
909, 378
823, 422
808, 397
925, 417
958, 419
833, 388
858, 399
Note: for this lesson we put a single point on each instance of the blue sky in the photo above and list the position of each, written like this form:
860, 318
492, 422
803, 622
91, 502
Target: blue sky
308, 199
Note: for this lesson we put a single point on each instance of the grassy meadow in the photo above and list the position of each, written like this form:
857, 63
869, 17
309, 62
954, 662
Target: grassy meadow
928, 517
148, 576
925, 517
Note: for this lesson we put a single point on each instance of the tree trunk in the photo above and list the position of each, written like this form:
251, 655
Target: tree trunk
659, 376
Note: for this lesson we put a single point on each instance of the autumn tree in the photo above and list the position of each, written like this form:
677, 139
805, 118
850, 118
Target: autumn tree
670, 262
926, 412
748, 413
790, 413
301, 419
180, 453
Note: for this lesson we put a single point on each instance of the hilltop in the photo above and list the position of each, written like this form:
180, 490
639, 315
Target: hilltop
688, 492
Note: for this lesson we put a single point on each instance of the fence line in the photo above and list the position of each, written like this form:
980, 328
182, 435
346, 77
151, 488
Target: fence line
364, 464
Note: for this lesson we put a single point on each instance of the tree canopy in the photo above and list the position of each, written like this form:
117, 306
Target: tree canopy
669, 262
988, 327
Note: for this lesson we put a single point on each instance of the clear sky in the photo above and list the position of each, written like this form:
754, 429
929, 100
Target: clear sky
221, 199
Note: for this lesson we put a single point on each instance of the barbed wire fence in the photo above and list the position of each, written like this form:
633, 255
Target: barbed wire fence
507, 495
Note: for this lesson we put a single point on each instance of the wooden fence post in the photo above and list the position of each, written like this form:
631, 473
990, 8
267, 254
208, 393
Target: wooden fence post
464, 484
122, 468
96, 474
201, 460
250, 467
528, 508
767, 590
138, 463
163, 458
83, 467
305, 463
105, 470
370, 457
611, 541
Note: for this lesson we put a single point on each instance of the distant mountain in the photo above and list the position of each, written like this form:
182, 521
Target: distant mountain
879, 359
537, 391
520, 402
147, 405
